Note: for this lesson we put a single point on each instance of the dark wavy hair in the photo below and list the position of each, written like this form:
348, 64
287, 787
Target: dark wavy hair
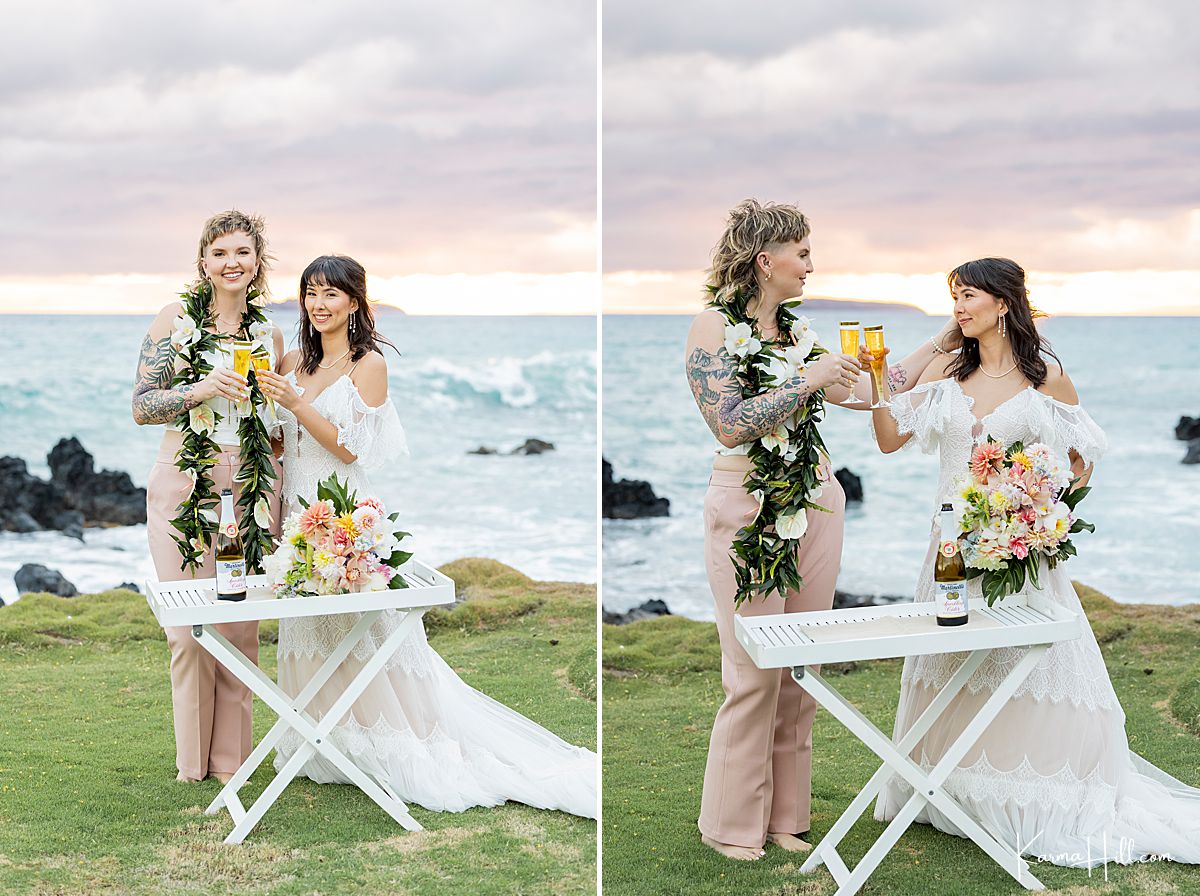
344, 273
1004, 279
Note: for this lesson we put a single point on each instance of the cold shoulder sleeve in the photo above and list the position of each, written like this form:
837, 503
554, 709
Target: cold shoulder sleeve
373, 435
922, 411
1071, 428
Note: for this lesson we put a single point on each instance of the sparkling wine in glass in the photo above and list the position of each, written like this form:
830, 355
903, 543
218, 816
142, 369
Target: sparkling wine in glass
874, 339
849, 334
242, 351
260, 359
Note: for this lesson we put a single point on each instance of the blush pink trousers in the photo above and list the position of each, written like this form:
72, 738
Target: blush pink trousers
212, 709
759, 772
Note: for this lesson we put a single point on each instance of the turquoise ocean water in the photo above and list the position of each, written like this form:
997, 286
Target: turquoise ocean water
458, 383
1136, 376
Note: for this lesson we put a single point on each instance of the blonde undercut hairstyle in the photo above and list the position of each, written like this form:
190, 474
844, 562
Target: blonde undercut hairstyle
752, 227
233, 221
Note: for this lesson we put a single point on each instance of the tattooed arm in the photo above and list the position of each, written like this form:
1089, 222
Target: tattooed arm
732, 419
154, 401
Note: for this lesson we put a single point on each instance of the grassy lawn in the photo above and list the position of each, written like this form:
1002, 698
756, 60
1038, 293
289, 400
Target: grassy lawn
662, 688
89, 804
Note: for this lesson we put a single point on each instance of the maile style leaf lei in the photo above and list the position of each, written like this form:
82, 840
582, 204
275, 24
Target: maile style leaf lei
785, 477
196, 521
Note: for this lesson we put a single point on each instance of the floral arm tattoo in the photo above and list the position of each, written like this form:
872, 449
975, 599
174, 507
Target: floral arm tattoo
153, 399
719, 398
897, 377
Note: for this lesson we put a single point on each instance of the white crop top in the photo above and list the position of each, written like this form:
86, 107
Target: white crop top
226, 432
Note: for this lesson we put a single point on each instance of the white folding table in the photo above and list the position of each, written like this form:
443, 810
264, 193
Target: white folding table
801, 640
192, 602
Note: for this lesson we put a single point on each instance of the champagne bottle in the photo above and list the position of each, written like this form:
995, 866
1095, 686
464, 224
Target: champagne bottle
231, 559
950, 573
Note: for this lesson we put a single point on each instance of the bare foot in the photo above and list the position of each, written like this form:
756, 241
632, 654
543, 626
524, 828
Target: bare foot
790, 842
186, 779
222, 777
740, 853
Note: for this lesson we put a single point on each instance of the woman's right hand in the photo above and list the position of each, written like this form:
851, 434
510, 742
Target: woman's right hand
224, 383
833, 370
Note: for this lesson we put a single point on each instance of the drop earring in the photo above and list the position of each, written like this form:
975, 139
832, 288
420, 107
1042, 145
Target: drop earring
1002, 326
352, 326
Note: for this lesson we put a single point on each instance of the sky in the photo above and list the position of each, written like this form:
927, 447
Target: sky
915, 136
450, 147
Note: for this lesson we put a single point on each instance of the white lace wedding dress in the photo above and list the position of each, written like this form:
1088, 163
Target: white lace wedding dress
1053, 776
418, 727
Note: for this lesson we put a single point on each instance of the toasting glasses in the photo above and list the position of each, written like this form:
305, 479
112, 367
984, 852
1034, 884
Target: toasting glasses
875, 345
849, 334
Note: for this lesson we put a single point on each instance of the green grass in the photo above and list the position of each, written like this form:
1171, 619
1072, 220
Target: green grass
662, 687
89, 804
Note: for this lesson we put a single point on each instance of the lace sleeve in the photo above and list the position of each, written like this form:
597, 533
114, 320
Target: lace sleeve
921, 412
1074, 429
373, 435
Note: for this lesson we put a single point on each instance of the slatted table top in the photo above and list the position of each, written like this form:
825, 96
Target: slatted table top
801, 639
194, 601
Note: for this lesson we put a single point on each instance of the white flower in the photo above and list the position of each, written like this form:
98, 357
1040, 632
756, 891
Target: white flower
799, 352
209, 514
802, 330
262, 513
777, 439
276, 565
202, 419
791, 525
261, 331
375, 581
776, 370
740, 341
186, 332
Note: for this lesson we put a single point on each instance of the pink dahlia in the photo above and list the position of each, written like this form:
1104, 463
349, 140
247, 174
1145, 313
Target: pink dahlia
318, 515
986, 458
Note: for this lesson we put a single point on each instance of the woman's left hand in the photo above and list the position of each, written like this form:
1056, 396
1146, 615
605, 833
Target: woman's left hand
278, 388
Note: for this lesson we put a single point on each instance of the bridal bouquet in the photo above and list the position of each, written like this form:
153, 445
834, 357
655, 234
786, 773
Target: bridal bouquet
338, 544
1014, 508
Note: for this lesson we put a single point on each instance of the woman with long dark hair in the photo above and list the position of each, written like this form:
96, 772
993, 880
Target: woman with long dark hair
417, 727
1053, 775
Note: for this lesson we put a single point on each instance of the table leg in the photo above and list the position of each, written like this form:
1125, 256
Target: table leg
315, 734
256, 758
927, 787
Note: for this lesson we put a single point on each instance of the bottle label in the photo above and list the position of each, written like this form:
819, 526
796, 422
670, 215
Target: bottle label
951, 598
230, 529
949, 548
231, 576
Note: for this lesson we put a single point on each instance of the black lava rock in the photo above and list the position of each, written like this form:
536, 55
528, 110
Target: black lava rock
25, 498
129, 586
1187, 428
630, 499
483, 449
842, 600
533, 446
851, 485
651, 609
1193, 452
105, 497
33, 577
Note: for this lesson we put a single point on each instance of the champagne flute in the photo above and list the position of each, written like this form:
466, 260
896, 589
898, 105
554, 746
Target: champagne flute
261, 360
242, 350
874, 340
849, 334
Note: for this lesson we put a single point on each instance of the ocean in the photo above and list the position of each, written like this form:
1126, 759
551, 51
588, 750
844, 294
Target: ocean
1135, 376
458, 383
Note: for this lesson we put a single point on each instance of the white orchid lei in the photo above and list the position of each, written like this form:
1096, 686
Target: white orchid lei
196, 521
785, 476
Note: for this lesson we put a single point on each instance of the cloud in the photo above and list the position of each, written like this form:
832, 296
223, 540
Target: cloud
915, 135
438, 138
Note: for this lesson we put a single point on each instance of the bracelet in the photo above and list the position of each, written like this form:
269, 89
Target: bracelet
937, 346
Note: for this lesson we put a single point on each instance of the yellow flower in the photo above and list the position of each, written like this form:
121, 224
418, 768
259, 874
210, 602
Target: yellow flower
346, 521
1022, 458
998, 501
